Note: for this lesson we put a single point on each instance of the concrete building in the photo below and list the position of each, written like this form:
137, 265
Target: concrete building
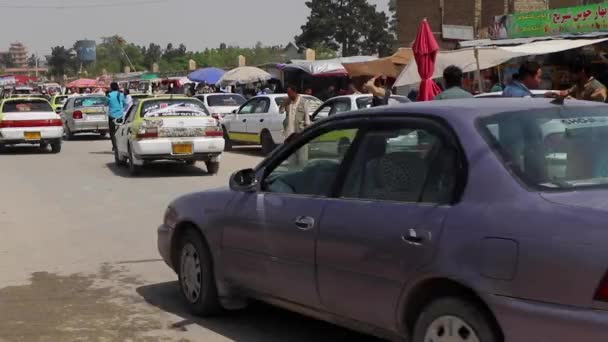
19, 53
475, 14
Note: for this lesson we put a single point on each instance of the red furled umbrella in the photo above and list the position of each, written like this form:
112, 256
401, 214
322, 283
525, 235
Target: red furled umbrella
425, 52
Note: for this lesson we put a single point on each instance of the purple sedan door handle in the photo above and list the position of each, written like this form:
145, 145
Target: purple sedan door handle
416, 237
304, 222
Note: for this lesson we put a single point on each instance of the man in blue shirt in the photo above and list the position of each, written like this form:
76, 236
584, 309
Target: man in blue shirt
529, 77
117, 105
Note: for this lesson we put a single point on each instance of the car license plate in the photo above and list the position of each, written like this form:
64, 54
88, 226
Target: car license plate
182, 149
32, 135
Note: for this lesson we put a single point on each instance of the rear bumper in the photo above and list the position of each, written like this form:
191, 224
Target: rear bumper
17, 135
162, 148
89, 126
523, 320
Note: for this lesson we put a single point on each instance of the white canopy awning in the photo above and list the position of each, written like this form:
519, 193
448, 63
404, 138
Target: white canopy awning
327, 66
489, 57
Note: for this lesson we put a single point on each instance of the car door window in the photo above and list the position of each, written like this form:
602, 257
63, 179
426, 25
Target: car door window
324, 110
313, 167
249, 107
129, 117
262, 106
340, 106
404, 165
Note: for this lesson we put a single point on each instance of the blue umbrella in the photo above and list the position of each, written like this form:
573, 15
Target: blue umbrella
206, 75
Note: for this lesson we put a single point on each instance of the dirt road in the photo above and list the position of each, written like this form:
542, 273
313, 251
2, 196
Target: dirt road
78, 258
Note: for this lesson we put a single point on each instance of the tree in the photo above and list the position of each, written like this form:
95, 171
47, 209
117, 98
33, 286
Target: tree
152, 55
32, 61
7, 61
346, 25
394, 22
62, 61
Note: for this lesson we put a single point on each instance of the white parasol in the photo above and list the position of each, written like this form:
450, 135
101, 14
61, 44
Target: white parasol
244, 75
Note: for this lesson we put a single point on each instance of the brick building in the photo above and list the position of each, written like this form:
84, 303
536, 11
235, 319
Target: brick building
474, 13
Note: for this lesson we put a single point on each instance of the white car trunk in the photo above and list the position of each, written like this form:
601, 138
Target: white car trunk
180, 126
24, 116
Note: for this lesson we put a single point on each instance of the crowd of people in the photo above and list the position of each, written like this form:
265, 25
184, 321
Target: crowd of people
529, 78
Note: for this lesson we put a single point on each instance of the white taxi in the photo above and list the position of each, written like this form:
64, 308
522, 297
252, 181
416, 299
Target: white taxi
168, 128
30, 121
259, 121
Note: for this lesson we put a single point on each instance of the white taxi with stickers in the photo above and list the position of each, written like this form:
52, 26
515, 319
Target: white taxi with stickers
168, 128
30, 121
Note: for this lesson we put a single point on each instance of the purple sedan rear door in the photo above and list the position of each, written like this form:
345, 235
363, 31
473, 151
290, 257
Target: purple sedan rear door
387, 220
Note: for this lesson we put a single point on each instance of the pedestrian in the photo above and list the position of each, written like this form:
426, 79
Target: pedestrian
497, 87
128, 100
452, 77
297, 118
378, 87
117, 105
528, 77
586, 87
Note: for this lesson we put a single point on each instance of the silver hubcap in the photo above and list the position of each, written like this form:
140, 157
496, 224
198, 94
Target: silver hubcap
450, 329
191, 273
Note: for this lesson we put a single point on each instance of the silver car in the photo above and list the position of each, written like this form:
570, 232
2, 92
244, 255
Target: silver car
85, 114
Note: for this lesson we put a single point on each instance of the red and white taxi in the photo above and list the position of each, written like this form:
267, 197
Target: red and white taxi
30, 121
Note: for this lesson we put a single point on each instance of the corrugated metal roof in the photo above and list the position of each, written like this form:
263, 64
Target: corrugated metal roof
519, 41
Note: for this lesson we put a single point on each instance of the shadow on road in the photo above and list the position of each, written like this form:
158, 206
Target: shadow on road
254, 151
23, 149
259, 322
162, 169
88, 137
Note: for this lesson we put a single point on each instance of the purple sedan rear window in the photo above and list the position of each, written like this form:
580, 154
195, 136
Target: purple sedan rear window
557, 150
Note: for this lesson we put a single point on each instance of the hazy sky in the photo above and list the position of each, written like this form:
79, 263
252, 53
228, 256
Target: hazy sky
196, 23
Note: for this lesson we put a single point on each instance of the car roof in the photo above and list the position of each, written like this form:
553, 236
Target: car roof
468, 109
167, 97
499, 93
22, 98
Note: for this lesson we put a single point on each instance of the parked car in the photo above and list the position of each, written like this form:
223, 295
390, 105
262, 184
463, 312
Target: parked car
168, 128
30, 121
260, 122
85, 114
221, 104
441, 221
348, 103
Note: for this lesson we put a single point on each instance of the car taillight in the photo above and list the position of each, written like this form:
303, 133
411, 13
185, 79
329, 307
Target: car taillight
77, 115
30, 123
147, 133
601, 294
214, 132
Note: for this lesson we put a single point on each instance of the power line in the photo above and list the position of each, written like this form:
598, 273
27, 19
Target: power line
79, 6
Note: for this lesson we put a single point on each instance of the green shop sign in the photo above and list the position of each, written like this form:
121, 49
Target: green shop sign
580, 19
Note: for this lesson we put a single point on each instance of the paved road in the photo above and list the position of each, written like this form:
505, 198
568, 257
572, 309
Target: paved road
78, 259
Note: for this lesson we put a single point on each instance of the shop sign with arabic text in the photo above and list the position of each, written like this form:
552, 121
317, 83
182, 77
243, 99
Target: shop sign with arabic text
580, 19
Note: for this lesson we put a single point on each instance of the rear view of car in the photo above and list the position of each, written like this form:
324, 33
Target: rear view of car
30, 121
222, 104
172, 129
86, 114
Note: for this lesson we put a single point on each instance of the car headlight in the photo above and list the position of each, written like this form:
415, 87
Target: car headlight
170, 219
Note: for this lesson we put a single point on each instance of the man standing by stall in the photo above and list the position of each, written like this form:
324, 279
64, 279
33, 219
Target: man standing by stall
529, 77
452, 76
586, 87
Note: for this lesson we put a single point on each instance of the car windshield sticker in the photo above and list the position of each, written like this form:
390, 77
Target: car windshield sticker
176, 109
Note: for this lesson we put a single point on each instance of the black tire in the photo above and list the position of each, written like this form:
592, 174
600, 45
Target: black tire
118, 159
134, 170
103, 134
190, 162
466, 311
212, 167
206, 303
228, 143
68, 135
44, 146
268, 144
56, 147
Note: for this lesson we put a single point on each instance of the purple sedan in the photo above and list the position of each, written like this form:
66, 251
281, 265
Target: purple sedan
467, 220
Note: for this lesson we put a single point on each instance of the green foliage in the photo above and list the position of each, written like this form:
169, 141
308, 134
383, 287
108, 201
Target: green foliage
7, 61
353, 26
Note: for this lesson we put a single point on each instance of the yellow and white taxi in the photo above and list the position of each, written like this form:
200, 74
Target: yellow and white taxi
168, 128
30, 121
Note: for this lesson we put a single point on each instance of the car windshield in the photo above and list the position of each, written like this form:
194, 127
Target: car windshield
553, 150
366, 102
91, 101
25, 106
228, 100
174, 107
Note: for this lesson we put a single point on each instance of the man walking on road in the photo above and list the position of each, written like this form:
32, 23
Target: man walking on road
529, 77
117, 105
